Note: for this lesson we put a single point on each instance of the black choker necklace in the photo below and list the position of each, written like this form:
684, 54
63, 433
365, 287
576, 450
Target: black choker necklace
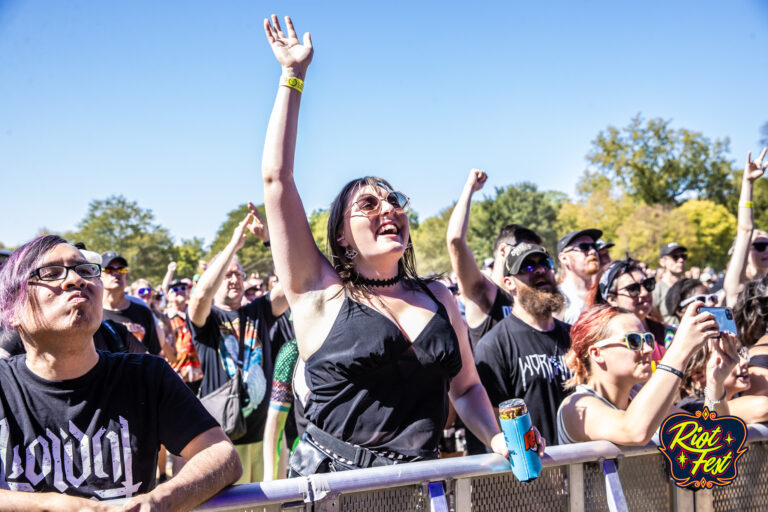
378, 282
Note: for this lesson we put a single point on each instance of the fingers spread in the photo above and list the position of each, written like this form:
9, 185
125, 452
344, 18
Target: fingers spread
268, 31
289, 27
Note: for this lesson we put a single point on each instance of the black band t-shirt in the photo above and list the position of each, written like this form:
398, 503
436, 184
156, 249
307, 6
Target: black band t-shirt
514, 360
98, 435
140, 322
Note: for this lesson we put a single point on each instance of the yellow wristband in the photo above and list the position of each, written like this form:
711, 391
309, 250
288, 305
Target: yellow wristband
293, 83
746, 204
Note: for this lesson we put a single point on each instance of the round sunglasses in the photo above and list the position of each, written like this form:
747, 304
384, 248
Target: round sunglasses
370, 204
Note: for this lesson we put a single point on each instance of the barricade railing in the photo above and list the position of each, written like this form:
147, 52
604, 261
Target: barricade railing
575, 478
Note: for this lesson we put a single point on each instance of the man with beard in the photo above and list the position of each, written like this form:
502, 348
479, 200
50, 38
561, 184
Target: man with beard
579, 262
672, 261
522, 356
485, 300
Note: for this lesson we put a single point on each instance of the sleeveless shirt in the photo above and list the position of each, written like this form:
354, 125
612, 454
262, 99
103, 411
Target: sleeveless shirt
581, 389
372, 387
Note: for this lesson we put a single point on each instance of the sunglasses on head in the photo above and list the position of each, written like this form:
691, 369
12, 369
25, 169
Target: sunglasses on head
370, 204
584, 247
632, 340
115, 270
144, 291
634, 289
712, 298
529, 267
759, 246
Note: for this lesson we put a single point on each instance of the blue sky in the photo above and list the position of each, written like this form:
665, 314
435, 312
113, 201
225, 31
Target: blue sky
167, 102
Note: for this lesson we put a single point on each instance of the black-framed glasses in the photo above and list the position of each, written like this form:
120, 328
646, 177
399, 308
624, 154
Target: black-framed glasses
712, 298
370, 204
584, 247
60, 272
634, 289
115, 270
759, 246
632, 340
530, 267
142, 292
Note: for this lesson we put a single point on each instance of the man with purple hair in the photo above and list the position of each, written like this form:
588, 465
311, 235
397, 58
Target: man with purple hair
77, 424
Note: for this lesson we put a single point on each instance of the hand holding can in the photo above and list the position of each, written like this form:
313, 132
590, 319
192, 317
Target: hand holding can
521, 439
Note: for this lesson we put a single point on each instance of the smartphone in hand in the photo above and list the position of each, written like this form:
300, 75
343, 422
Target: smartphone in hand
724, 318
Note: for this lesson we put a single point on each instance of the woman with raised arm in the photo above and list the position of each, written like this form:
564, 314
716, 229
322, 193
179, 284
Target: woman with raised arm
383, 348
611, 353
749, 256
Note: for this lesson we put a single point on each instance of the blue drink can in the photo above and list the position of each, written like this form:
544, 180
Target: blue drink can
521, 439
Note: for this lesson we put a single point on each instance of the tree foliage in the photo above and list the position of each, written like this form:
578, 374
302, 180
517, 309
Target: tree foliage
429, 244
254, 257
318, 224
714, 227
117, 224
521, 204
187, 256
656, 164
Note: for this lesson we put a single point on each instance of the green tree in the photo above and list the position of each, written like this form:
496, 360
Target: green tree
648, 227
521, 204
116, 224
429, 244
254, 257
318, 224
187, 256
656, 164
714, 228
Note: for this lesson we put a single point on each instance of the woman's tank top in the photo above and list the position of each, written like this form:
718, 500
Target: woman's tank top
562, 435
372, 387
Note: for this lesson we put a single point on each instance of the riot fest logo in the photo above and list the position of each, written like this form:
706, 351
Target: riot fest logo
702, 449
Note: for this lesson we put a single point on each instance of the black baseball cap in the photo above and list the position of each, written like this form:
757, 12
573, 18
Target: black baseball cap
566, 240
110, 256
602, 244
669, 248
516, 256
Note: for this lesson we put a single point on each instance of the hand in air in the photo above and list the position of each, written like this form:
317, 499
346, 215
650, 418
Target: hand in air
258, 225
723, 356
239, 234
753, 169
477, 179
289, 52
172, 266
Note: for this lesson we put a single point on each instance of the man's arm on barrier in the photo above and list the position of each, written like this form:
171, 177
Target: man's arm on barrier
212, 464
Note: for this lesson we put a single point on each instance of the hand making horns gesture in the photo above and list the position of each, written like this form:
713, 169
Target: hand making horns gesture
289, 52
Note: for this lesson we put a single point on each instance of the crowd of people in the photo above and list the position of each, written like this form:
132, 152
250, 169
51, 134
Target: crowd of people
350, 358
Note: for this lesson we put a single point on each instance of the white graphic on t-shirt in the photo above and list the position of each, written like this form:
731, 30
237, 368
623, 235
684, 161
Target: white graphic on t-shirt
544, 366
57, 454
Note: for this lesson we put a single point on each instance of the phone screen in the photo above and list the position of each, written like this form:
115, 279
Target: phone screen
724, 318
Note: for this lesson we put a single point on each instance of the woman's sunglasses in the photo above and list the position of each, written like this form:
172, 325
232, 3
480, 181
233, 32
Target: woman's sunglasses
712, 298
759, 246
632, 340
142, 292
634, 289
370, 204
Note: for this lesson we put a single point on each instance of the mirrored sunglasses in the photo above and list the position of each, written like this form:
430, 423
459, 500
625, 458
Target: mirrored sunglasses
370, 204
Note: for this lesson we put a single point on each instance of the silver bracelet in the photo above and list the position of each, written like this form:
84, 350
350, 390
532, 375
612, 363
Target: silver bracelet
708, 397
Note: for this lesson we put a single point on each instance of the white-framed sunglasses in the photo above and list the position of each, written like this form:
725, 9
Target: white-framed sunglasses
632, 340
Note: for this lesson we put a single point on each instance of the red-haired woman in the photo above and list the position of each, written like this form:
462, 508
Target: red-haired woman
611, 353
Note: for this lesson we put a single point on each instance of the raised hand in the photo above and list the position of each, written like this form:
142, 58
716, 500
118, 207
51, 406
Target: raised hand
172, 266
289, 52
477, 179
239, 234
754, 169
723, 357
258, 225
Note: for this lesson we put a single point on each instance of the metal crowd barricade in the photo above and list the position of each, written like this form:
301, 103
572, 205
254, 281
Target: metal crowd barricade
594, 476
